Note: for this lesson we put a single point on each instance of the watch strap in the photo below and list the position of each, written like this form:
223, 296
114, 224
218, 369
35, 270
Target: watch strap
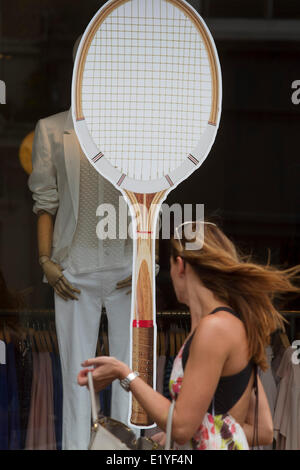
125, 383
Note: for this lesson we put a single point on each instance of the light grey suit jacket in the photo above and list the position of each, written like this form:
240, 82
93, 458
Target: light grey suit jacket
55, 178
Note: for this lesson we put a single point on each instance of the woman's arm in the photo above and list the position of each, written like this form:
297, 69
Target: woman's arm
265, 422
208, 353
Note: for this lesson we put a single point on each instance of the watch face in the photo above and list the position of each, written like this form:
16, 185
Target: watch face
126, 382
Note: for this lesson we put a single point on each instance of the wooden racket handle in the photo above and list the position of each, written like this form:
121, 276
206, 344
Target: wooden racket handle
142, 361
143, 291
143, 326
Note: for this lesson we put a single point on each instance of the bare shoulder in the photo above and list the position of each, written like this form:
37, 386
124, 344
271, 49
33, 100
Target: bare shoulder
220, 323
219, 331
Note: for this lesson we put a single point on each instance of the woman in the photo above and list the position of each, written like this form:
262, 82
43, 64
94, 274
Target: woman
213, 377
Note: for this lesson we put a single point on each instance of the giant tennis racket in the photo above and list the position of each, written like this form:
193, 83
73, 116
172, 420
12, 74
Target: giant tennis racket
146, 102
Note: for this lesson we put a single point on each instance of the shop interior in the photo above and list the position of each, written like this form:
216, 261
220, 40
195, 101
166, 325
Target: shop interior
249, 183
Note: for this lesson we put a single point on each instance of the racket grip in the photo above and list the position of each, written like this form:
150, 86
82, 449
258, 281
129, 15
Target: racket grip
142, 362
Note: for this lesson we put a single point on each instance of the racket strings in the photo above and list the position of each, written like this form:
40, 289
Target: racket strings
147, 90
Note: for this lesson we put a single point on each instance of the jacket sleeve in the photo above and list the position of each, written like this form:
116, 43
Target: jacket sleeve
43, 181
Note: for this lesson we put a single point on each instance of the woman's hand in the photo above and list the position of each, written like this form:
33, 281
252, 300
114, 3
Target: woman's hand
106, 370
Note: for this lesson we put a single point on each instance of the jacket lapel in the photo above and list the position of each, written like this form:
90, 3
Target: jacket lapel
72, 161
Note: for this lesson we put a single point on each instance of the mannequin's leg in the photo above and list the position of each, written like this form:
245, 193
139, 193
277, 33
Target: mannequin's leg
118, 308
77, 324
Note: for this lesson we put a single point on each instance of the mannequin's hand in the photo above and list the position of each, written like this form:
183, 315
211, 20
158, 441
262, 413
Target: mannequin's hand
106, 370
125, 283
57, 280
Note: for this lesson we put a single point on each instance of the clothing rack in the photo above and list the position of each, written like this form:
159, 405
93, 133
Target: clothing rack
38, 322
173, 327
50, 312
290, 315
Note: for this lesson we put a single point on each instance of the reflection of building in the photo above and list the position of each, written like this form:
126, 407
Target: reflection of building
250, 176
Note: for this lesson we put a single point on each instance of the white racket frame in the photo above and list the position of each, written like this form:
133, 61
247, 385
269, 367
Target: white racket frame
94, 154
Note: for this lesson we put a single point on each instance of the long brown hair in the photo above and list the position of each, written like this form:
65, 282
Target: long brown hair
248, 287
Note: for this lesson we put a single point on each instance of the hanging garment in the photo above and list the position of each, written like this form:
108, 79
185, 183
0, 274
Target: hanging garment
287, 410
268, 381
276, 363
41, 433
24, 366
57, 398
105, 400
59, 405
270, 388
51, 438
161, 362
14, 436
3, 408
30, 435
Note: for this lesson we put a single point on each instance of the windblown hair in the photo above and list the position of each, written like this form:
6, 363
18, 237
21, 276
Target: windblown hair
247, 287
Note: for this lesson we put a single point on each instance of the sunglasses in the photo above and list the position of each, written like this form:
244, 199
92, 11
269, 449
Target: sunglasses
194, 232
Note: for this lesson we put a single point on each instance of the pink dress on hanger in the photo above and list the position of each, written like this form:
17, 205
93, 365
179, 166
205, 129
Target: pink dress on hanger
41, 431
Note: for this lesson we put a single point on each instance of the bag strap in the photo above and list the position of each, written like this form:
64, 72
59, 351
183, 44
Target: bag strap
255, 386
168, 445
93, 398
169, 426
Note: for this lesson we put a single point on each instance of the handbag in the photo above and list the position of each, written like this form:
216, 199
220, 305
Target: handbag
110, 434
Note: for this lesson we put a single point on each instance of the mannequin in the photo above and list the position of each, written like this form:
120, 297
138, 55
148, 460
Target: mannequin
85, 272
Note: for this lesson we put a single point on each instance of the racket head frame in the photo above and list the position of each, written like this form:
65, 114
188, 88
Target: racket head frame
89, 147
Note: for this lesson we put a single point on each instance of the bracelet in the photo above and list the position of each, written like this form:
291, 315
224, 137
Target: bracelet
43, 259
125, 383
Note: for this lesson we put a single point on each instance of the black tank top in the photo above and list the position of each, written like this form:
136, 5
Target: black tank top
230, 388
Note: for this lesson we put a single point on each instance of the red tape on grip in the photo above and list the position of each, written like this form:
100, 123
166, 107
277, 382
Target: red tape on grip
142, 324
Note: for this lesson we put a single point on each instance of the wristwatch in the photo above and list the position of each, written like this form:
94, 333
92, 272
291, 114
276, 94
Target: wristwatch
125, 383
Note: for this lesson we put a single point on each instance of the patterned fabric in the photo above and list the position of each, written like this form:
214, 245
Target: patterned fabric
89, 252
167, 375
216, 432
